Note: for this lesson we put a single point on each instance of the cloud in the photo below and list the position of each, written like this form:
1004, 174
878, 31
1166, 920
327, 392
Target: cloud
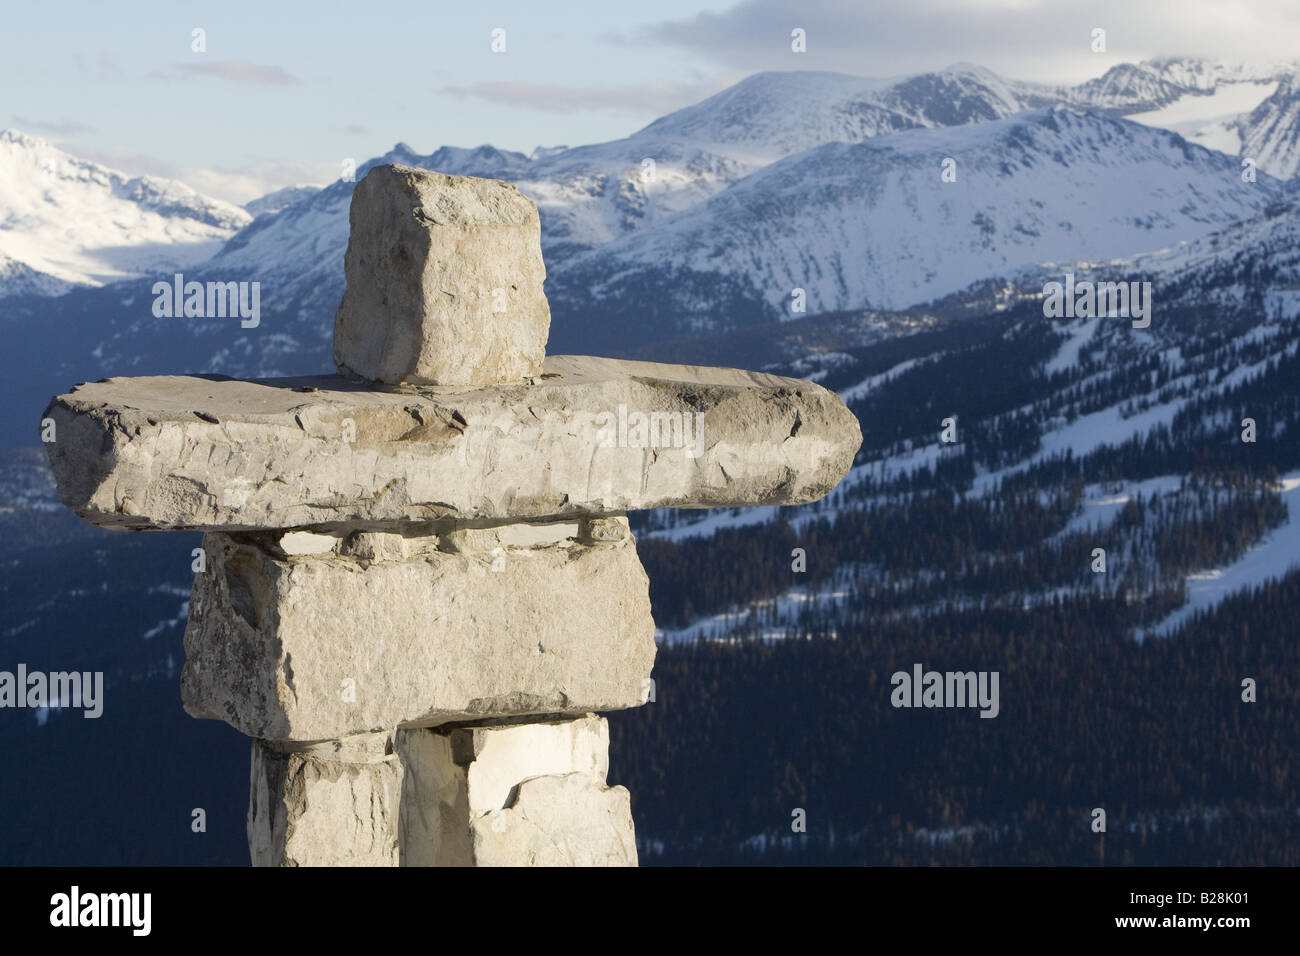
1028, 39
654, 98
55, 128
244, 183
236, 185
355, 130
236, 71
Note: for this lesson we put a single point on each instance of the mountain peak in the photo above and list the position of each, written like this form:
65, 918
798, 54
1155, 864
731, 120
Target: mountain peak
966, 67
17, 136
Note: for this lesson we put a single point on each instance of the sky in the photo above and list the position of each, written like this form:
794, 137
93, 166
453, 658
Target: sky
285, 93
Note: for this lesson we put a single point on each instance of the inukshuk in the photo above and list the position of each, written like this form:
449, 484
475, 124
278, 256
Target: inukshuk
420, 585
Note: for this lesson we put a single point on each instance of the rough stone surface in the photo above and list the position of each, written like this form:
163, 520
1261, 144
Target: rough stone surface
569, 820
188, 452
515, 535
444, 281
463, 780
321, 646
603, 529
332, 805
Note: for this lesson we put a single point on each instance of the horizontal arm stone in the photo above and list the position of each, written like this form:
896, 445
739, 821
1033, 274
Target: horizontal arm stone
589, 437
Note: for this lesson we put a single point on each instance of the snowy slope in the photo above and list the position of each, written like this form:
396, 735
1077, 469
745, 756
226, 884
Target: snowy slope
1211, 119
775, 114
1242, 110
1252, 265
1191, 394
1270, 134
871, 225
17, 278
1161, 82
1270, 560
81, 223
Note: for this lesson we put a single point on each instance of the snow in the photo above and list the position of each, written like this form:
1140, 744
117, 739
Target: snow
1272, 558
1068, 355
714, 521
1208, 119
1101, 504
865, 226
85, 224
177, 621
779, 615
886, 469
873, 382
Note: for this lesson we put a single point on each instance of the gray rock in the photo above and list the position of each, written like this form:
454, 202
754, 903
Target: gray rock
593, 437
444, 281
569, 820
321, 646
336, 804
455, 777
593, 530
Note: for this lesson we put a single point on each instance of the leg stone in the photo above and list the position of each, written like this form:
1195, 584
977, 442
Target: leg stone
331, 804
513, 794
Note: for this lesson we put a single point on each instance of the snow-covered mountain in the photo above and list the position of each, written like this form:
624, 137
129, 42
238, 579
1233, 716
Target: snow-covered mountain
590, 196
70, 221
17, 278
873, 224
709, 217
1242, 110
731, 214
1270, 133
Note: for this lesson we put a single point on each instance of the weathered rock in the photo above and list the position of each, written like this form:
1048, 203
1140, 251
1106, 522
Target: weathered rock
187, 452
514, 535
444, 281
593, 530
559, 821
454, 777
321, 646
336, 804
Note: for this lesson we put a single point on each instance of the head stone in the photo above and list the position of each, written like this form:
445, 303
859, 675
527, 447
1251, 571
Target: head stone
444, 281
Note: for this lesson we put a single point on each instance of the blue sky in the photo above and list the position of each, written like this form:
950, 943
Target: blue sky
285, 92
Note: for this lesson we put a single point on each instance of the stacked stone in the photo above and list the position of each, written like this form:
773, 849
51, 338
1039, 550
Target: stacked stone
420, 585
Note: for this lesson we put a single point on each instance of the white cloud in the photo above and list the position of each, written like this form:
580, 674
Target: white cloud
1025, 39
656, 98
237, 185
236, 71
52, 127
